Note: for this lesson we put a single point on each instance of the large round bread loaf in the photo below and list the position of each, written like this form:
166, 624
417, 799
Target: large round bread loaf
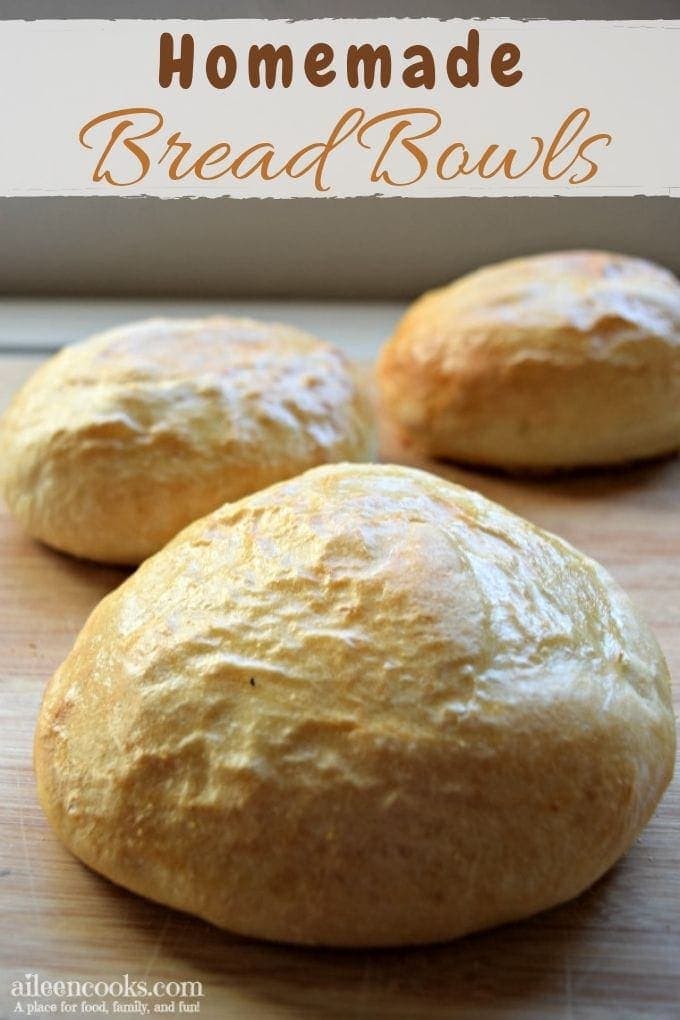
362, 707
540, 364
118, 442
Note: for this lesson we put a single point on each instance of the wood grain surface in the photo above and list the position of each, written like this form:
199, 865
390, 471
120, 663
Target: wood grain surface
614, 952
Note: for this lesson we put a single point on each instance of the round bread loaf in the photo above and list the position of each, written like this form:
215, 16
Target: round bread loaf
363, 707
117, 443
540, 364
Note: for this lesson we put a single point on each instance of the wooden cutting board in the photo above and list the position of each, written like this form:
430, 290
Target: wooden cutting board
615, 952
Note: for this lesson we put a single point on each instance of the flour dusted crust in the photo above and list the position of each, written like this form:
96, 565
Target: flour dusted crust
117, 443
362, 707
556, 361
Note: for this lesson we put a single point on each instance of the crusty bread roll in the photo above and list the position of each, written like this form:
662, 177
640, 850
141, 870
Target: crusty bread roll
539, 364
117, 443
363, 707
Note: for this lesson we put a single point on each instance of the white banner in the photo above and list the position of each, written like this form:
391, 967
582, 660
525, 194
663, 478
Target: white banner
337, 108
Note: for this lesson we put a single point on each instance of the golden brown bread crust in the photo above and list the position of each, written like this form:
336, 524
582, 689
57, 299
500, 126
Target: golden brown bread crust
362, 707
552, 362
117, 443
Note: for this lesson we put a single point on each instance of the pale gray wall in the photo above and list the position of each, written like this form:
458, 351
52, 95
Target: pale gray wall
564, 9
309, 247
